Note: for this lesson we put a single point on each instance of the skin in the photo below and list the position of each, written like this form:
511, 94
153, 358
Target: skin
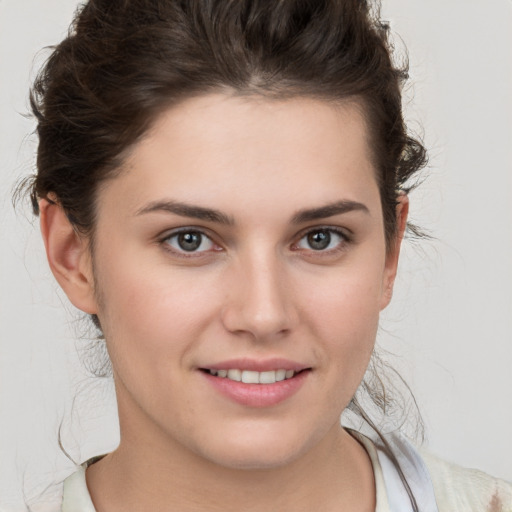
256, 289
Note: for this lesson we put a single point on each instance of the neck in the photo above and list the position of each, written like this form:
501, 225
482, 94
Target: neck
335, 474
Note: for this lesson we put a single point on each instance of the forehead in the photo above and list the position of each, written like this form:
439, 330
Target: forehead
251, 150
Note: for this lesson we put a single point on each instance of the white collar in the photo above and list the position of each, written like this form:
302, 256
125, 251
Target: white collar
386, 474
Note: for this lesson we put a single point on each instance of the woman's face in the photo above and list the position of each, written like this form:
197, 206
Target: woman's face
244, 237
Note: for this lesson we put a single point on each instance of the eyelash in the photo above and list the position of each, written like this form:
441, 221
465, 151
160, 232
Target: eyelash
345, 239
182, 253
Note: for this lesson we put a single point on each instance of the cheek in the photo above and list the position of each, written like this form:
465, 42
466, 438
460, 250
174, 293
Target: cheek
345, 315
153, 308
148, 311
153, 323
347, 303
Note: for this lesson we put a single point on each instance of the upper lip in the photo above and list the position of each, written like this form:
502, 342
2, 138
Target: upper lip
257, 365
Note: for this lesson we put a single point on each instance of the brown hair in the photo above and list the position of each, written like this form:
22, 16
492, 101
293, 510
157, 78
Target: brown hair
125, 61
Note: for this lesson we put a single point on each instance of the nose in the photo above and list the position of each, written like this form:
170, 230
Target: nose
260, 301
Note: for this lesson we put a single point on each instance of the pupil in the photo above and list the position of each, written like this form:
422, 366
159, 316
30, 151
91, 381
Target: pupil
319, 240
189, 241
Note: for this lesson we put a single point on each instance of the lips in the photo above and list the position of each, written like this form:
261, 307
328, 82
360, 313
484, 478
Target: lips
257, 383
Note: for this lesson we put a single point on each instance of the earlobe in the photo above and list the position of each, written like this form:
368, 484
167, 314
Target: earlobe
402, 211
68, 256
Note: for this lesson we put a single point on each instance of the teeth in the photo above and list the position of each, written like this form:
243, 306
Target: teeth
267, 377
252, 377
235, 375
280, 375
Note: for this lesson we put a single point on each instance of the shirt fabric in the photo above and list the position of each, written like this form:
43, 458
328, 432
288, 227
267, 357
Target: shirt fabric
437, 486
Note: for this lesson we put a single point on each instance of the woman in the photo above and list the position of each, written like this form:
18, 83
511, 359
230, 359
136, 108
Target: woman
225, 192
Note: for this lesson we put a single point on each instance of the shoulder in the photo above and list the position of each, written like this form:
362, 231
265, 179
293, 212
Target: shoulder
437, 485
470, 490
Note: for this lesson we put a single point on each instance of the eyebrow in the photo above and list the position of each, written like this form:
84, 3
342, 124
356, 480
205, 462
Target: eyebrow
329, 210
187, 210
212, 215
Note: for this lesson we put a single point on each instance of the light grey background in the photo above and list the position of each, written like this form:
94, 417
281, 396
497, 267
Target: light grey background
451, 321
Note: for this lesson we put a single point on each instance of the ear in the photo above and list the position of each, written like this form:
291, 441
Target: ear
393, 253
68, 256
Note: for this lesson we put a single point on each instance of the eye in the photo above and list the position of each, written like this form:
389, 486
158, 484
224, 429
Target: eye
190, 241
323, 239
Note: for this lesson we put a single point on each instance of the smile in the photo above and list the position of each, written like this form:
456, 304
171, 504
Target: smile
254, 377
252, 388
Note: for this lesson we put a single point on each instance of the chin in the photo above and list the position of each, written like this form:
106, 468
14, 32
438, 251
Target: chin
255, 451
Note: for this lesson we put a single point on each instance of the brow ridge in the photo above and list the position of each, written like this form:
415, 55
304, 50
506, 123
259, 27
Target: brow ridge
212, 215
328, 210
187, 210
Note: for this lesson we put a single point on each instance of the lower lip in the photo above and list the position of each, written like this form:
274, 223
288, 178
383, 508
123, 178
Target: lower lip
257, 395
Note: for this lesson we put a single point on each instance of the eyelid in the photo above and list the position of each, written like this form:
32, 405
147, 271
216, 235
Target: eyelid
166, 235
344, 233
